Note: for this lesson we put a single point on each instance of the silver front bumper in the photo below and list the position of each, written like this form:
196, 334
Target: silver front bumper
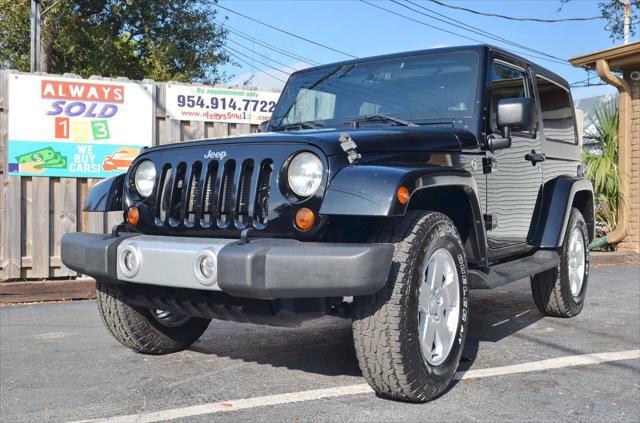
169, 261
263, 268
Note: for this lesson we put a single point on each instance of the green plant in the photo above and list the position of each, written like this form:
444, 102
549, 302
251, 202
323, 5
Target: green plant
179, 40
601, 161
613, 12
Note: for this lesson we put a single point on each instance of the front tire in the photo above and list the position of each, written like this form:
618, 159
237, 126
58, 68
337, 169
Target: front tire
560, 292
409, 336
145, 330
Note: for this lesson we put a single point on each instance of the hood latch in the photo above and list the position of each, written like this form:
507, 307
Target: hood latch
350, 147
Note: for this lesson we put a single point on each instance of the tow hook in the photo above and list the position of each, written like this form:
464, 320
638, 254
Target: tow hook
244, 236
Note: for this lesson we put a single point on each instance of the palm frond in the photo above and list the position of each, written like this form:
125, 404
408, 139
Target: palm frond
602, 165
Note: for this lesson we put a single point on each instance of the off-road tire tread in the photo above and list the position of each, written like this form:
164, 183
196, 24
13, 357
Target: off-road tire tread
547, 287
377, 321
131, 325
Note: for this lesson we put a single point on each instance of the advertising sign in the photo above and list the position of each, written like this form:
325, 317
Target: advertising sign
211, 104
69, 127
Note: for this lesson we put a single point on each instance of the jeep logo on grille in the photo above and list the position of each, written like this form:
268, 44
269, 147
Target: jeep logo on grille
218, 155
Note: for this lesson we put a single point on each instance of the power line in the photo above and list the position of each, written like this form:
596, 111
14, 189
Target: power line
284, 31
249, 64
589, 85
261, 55
587, 82
454, 33
512, 18
582, 81
264, 44
591, 76
420, 22
255, 60
480, 32
476, 30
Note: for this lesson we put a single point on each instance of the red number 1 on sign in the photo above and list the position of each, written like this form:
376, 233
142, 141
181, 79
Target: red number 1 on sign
62, 127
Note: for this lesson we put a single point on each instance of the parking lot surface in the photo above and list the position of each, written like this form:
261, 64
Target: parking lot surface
57, 363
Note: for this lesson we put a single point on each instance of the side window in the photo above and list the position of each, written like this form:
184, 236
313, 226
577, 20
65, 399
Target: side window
506, 82
557, 115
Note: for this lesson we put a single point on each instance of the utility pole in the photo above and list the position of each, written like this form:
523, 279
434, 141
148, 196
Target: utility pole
36, 32
627, 20
35, 35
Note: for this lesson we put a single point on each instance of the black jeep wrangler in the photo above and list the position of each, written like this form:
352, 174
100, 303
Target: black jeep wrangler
382, 189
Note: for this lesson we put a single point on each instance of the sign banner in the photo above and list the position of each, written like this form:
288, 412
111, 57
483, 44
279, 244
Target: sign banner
69, 127
212, 104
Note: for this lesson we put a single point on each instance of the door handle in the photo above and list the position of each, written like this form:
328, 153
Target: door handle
534, 157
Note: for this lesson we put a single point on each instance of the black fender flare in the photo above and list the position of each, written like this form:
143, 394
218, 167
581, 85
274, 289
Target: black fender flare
371, 190
106, 195
553, 208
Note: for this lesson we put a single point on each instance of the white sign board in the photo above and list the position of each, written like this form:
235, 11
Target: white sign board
212, 104
70, 127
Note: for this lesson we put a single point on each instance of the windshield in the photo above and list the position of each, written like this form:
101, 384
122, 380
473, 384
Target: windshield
416, 88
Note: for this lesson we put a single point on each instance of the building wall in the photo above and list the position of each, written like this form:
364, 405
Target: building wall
631, 243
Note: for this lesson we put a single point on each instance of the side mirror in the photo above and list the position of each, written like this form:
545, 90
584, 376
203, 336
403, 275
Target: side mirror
264, 126
513, 113
516, 113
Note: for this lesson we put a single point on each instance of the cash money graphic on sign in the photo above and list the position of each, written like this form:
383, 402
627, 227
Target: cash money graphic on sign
68, 127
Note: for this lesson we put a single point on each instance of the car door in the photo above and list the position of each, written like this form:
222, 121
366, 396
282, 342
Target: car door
513, 181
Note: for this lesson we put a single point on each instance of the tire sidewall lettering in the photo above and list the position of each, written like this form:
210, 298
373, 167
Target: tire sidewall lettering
464, 303
444, 235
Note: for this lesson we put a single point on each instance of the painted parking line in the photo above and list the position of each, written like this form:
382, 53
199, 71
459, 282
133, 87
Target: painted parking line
549, 364
363, 388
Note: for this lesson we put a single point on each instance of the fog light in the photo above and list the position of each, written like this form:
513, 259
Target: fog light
129, 261
204, 267
207, 267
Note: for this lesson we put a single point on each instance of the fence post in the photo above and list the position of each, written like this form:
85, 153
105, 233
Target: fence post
40, 227
68, 209
11, 240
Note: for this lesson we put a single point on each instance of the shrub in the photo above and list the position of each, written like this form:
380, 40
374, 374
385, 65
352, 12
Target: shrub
601, 160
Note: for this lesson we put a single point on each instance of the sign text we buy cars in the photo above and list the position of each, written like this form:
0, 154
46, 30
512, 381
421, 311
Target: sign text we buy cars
72, 127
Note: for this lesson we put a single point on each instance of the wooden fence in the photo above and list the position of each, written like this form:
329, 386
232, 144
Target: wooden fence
36, 211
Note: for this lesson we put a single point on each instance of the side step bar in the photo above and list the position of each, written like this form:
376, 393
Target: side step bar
511, 271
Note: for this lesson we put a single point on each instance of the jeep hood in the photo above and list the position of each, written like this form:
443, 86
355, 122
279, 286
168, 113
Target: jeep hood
369, 140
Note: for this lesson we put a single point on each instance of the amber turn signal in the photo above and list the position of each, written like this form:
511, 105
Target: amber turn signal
133, 215
403, 195
305, 219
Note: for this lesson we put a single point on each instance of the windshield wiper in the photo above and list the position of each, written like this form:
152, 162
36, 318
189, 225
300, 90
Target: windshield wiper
298, 125
379, 118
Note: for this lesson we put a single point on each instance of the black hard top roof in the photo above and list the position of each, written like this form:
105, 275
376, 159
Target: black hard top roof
481, 49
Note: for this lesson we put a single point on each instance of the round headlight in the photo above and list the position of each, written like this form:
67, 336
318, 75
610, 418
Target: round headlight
305, 174
145, 178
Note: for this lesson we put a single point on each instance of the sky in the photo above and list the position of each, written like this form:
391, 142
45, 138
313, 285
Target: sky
361, 30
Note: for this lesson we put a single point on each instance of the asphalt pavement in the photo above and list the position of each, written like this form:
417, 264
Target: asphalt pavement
57, 363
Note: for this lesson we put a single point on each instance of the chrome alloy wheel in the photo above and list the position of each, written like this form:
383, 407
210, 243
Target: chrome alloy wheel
438, 307
169, 318
576, 261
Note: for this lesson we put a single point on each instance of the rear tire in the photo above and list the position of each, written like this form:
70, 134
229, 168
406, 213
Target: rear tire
398, 355
560, 292
144, 330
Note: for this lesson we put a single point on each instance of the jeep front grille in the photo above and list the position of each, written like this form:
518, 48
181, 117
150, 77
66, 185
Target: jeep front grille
219, 194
